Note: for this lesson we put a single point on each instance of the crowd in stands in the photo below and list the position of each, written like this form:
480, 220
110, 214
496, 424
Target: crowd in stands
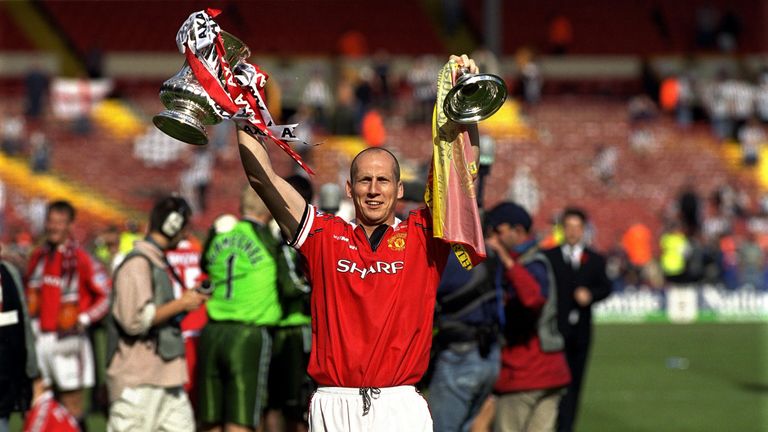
734, 103
716, 237
355, 102
721, 233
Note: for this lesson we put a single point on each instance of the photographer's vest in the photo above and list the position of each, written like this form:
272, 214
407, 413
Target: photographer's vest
167, 336
549, 336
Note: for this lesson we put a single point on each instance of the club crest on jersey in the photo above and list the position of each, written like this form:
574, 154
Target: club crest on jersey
397, 242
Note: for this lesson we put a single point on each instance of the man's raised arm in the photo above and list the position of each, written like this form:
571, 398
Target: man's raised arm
285, 204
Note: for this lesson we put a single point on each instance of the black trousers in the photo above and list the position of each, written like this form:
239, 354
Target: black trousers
576, 355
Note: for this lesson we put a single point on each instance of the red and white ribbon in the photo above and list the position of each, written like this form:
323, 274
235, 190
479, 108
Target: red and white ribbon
241, 97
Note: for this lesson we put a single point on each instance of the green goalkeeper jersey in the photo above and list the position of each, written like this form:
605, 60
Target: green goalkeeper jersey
242, 265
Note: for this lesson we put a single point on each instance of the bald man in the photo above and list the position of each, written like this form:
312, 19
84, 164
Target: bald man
374, 283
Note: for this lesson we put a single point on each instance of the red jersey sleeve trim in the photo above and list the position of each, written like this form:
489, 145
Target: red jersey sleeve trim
305, 225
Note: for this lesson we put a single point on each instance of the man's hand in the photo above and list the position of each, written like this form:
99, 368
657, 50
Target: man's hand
192, 299
495, 245
583, 296
189, 301
38, 388
83, 322
466, 62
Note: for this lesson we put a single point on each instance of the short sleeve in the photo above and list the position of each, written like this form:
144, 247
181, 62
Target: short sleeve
305, 226
313, 226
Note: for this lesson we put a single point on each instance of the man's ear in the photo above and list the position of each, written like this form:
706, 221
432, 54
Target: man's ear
348, 188
400, 190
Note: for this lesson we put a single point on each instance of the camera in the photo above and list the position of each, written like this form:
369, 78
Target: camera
206, 287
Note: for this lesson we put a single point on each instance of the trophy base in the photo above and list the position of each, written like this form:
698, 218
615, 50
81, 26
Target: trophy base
182, 126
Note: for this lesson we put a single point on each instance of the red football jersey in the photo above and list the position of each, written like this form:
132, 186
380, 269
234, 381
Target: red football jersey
372, 307
185, 260
48, 415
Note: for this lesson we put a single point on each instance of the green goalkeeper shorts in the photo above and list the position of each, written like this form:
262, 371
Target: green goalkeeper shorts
233, 367
289, 385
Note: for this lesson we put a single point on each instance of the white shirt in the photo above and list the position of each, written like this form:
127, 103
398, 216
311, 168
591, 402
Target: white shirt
572, 254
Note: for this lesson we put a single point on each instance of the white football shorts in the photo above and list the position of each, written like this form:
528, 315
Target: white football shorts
344, 409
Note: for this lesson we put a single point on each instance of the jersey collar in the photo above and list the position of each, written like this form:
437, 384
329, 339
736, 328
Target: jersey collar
353, 222
378, 234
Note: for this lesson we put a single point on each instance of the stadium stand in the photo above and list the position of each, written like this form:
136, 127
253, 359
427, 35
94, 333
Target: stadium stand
634, 27
11, 36
117, 26
562, 133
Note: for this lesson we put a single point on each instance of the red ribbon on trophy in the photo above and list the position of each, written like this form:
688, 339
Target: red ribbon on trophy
241, 101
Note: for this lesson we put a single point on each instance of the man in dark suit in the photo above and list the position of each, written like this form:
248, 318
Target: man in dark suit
581, 281
18, 358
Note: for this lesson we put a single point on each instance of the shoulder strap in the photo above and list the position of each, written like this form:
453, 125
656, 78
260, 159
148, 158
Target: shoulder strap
152, 266
531, 255
478, 290
114, 330
550, 339
132, 254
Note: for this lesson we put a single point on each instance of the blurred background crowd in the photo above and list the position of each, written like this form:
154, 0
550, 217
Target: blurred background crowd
669, 113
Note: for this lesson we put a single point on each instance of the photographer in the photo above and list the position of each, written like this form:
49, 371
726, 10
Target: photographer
146, 365
534, 372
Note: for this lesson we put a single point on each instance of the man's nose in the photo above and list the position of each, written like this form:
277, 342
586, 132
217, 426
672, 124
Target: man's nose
373, 188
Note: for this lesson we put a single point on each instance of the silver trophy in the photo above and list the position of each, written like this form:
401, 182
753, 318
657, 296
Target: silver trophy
475, 97
188, 108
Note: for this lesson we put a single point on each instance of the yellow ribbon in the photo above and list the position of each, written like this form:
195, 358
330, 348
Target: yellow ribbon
448, 158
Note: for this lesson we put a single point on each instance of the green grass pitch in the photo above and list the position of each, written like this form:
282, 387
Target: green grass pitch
678, 378
666, 378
